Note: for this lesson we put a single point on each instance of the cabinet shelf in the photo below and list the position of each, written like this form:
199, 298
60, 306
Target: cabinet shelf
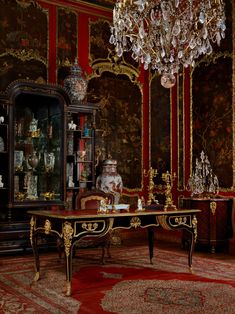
80, 155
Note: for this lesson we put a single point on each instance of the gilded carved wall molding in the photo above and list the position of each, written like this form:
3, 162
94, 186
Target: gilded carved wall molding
100, 66
24, 55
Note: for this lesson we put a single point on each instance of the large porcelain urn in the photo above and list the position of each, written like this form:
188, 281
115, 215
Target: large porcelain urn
76, 84
110, 181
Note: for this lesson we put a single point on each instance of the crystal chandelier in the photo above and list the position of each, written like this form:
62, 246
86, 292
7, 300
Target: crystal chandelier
167, 34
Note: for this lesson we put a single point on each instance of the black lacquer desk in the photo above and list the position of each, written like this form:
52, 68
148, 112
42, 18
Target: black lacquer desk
72, 226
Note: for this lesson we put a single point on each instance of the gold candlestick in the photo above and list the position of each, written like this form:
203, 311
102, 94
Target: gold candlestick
168, 178
151, 173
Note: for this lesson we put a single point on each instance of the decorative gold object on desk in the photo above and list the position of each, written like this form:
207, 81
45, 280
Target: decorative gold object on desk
151, 173
169, 179
103, 208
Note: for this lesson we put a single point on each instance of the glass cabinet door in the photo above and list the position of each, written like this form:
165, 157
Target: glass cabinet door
38, 143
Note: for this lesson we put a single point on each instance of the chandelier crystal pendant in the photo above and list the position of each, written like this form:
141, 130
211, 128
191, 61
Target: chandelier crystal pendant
167, 34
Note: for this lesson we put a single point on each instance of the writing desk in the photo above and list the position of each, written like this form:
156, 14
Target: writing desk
72, 226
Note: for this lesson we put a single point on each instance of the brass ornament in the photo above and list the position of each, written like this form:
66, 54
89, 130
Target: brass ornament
67, 235
89, 226
68, 288
213, 207
37, 276
194, 224
135, 222
49, 196
168, 178
151, 174
47, 226
32, 224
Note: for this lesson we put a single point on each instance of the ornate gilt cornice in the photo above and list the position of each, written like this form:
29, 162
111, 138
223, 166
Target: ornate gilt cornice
119, 68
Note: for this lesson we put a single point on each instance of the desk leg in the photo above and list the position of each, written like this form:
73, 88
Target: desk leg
191, 248
68, 236
151, 243
33, 241
68, 261
193, 234
36, 256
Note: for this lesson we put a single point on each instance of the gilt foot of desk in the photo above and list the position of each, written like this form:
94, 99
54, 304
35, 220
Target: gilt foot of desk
37, 276
68, 289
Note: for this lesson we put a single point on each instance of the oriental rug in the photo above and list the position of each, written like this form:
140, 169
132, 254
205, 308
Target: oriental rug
126, 284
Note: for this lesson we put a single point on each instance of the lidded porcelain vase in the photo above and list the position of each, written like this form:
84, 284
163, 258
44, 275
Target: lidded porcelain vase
109, 180
75, 84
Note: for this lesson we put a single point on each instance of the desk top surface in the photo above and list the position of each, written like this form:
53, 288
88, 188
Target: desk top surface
86, 213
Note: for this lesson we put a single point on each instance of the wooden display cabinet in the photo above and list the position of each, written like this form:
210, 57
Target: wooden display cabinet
80, 162
4, 154
32, 162
214, 221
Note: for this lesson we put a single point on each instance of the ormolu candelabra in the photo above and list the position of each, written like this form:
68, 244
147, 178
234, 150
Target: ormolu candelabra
151, 173
168, 178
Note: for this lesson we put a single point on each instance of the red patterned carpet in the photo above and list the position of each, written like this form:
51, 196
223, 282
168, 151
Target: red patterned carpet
126, 284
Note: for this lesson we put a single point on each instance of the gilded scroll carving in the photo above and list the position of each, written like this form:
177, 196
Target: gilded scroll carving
68, 235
